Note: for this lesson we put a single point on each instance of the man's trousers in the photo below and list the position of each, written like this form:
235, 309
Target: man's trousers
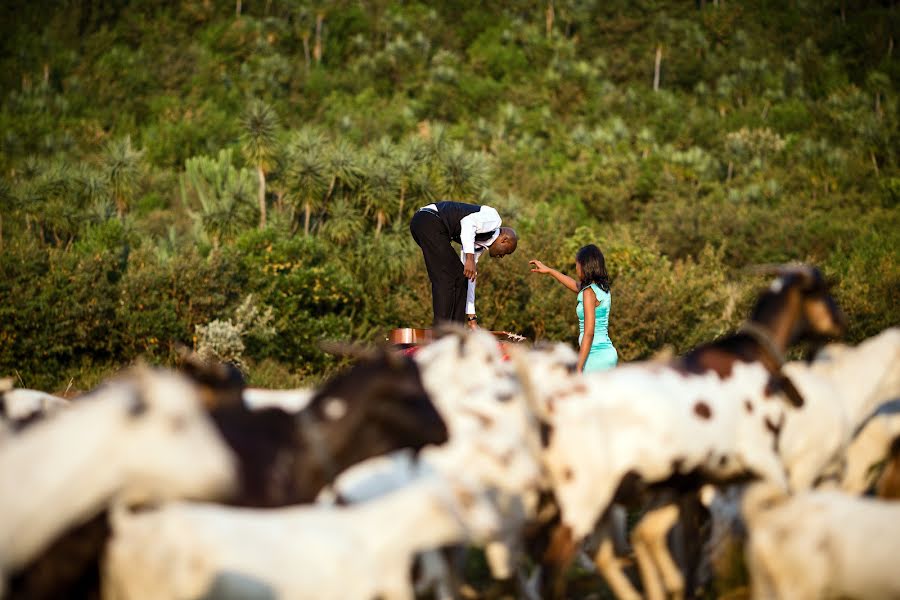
445, 269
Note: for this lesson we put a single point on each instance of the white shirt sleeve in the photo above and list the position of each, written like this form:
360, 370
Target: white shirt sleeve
470, 292
483, 221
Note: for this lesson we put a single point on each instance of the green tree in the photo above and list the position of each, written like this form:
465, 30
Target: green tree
408, 159
343, 165
307, 173
224, 195
8, 202
379, 188
465, 174
344, 224
260, 127
122, 165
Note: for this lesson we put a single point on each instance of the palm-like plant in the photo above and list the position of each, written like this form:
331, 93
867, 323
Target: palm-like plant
260, 127
101, 211
464, 174
343, 165
122, 165
306, 181
379, 188
58, 189
424, 185
409, 158
509, 120
307, 139
91, 185
8, 203
344, 224
437, 141
232, 211
224, 195
167, 246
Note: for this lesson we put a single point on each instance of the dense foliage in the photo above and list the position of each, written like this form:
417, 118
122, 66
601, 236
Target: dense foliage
167, 169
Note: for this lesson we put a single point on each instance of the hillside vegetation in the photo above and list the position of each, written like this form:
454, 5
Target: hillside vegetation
239, 176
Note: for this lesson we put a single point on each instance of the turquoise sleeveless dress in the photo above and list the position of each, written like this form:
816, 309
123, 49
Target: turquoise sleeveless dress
603, 354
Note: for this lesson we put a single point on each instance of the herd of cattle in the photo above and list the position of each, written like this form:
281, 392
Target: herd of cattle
185, 484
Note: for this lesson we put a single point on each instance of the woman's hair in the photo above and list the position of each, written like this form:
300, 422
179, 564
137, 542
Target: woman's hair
593, 267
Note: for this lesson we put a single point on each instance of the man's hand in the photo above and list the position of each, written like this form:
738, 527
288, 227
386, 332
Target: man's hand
471, 323
469, 267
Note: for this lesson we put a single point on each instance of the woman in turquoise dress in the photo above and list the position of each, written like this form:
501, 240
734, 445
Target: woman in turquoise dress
596, 351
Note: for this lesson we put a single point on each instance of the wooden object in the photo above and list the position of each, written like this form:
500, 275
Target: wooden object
406, 336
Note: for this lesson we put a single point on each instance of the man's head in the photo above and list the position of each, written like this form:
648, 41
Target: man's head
505, 243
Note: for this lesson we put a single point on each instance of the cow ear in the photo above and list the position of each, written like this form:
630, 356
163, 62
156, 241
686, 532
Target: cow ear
782, 383
137, 405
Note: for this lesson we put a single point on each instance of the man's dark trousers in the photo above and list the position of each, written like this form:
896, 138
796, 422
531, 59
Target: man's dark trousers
445, 269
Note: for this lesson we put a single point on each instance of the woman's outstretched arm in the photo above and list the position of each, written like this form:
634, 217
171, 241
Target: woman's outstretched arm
587, 340
539, 267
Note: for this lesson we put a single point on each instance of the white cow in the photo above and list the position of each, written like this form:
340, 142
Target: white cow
21, 403
187, 550
493, 439
844, 428
143, 436
821, 544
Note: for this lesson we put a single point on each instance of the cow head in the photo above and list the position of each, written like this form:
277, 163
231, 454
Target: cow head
376, 406
170, 448
798, 305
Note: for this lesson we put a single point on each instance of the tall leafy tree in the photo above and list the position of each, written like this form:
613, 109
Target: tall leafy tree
407, 160
307, 173
344, 169
122, 165
224, 195
91, 186
464, 174
379, 188
59, 191
344, 224
8, 203
260, 127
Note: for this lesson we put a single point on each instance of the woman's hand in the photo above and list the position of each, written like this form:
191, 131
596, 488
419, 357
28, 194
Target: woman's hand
538, 267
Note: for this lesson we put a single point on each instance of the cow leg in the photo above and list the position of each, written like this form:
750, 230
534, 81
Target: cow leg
652, 552
556, 560
610, 566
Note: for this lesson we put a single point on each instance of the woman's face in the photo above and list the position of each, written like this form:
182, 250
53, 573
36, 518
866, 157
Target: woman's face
578, 270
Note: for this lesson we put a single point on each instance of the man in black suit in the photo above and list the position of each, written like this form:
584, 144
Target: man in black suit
476, 228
